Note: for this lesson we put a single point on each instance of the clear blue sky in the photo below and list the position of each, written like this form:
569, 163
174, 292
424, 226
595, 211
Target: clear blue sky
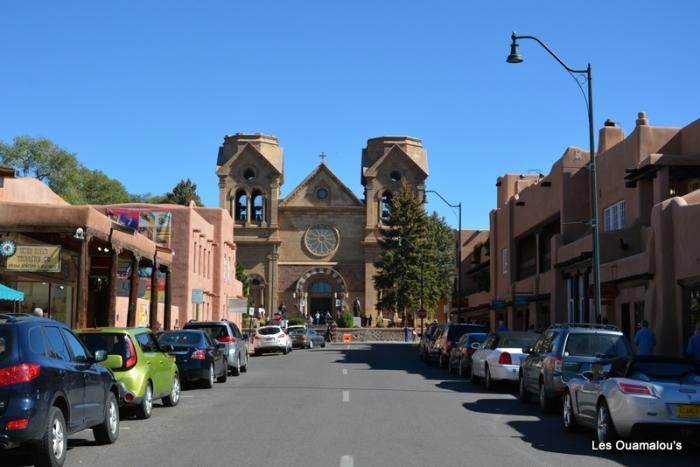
146, 91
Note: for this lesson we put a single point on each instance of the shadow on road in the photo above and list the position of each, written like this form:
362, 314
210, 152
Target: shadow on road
23, 457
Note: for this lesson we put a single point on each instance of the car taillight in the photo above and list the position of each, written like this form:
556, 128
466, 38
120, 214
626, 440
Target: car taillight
504, 359
199, 354
226, 339
19, 374
131, 360
638, 389
470, 351
20, 424
257, 337
280, 336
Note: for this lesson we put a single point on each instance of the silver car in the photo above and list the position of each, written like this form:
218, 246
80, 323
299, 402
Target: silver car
226, 332
631, 395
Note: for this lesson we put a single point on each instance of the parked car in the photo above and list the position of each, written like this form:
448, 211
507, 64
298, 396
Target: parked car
271, 339
563, 351
226, 332
306, 338
498, 358
461, 354
144, 371
632, 395
51, 386
198, 357
446, 337
426, 340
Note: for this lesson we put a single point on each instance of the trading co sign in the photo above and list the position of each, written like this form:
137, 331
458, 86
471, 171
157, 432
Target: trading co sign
35, 258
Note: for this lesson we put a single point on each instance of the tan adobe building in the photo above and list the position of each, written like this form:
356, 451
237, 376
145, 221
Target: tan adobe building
649, 200
314, 250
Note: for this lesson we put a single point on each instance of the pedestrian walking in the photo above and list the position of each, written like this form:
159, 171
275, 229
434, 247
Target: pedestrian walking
369, 321
693, 350
318, 318
502, 326
405, 333
645, 340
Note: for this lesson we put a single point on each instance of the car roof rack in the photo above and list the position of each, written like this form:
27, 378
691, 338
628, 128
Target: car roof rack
609, 327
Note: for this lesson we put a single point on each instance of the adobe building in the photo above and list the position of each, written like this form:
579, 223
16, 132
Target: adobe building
649, 214
203, 261
70, 261
313, 250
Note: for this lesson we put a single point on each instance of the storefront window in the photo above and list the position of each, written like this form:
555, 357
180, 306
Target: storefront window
55, 300
36, 295
61, 302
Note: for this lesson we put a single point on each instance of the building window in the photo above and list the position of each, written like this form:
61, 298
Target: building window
615, 216
322, 194
249, 175
241, 206
258, 206
504, 260
387, 199
194, 262
395, 176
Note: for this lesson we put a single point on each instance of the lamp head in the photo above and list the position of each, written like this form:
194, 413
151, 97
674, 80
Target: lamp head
514, 56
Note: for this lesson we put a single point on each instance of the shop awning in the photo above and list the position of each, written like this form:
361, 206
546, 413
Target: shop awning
7, 293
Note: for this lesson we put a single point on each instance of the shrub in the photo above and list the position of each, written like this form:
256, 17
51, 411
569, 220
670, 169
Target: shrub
296, 321
345, 320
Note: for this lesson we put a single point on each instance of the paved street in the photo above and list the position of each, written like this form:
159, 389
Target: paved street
347, 406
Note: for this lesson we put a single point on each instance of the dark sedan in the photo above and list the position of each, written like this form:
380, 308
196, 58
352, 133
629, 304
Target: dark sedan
306, 338
198, 357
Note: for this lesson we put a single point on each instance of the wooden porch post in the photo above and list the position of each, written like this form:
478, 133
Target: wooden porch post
80, 319
133, 292
113, 280
167, 317
153, 315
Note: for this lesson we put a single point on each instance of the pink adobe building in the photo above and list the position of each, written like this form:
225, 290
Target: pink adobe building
204, 258
649, 201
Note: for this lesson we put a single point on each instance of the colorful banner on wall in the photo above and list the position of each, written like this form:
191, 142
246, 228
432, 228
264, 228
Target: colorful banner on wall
35, 258
155, 224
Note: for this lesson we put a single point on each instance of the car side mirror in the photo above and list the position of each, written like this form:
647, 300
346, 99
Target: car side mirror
588, 375
526, 350
167, 348
475, 346
112, 361
100, 356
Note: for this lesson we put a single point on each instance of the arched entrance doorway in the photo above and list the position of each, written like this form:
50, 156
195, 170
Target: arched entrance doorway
321, 290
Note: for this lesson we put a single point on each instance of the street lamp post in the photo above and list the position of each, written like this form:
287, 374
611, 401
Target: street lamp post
459, 245
515, 57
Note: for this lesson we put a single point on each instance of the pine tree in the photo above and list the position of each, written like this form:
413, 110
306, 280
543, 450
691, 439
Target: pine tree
184, 192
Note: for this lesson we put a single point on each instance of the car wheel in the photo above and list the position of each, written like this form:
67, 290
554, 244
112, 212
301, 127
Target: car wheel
107, 432
442, 361
323, 345
224, 376
145, 408
605, 430
244, 367
257, 353
544, 401
54, 443
208, 383
460, 371
523, 394
284, 351
172, 399
236, 370
488, 382
568, 416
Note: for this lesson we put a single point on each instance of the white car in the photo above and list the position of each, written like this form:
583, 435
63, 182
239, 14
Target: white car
271, 339
498, 358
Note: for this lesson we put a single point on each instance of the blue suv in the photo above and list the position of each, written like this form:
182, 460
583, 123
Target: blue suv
51, 386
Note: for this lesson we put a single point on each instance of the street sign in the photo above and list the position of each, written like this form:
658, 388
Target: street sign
277, 316
197, 296
422, 313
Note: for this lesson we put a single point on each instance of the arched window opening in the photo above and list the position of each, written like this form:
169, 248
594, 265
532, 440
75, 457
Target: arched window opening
387, 199
320, 287
258, 206
241, 213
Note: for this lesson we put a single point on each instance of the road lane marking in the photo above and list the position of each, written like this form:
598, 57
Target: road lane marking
125, 428
345, 372
346, 461
181, 396
346, 396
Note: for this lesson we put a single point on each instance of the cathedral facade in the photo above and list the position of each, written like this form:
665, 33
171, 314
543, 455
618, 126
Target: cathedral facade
313, 250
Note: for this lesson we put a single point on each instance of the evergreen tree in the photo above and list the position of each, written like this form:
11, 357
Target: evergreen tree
184, 192
440, 258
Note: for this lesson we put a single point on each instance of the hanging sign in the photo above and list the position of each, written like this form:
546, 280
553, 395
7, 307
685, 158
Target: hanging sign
35, 258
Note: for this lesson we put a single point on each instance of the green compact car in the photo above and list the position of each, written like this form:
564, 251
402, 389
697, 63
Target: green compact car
143, 369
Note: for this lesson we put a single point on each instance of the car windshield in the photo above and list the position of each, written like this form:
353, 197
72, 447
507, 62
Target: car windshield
181, 339
517, 341
477, 337
113, 343
456, 332
214, 331
597, 345
5, 342
268, 331
297, 332
664, 370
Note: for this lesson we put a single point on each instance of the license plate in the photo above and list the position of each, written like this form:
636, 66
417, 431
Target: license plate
688, 411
